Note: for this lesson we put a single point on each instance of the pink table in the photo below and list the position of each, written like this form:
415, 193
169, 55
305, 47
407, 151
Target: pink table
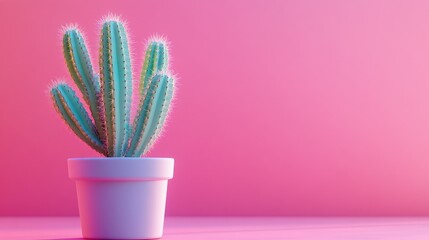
237, 228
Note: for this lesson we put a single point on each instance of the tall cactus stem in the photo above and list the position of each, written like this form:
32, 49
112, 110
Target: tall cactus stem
128, 92
115, 76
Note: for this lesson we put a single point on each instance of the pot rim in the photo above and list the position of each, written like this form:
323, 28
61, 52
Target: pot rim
120, 168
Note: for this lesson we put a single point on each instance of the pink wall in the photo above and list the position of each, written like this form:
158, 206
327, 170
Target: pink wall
283, 108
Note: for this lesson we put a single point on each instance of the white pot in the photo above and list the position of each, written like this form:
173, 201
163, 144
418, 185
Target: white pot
121, 198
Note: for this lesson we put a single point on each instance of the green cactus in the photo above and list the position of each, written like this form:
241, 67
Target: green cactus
115, 76
151, 114
156, 60
108, 95
80, 68
72, 111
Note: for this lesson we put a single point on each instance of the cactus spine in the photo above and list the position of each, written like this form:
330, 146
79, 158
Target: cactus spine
108, 95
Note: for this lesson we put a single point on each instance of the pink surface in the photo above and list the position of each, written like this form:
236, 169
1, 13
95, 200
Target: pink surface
283, 108
209, 228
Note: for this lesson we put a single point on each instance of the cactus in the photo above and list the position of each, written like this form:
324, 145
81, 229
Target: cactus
71, 109
156, 60
115, 76
108, 94
80, 68
153, 110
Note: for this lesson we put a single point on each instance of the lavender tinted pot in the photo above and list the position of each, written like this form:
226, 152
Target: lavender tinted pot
121, 198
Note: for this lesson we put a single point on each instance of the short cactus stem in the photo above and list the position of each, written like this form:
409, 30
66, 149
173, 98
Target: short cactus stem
151, 114
156, 60
74, 114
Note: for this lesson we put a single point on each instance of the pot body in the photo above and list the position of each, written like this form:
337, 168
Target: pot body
121, 198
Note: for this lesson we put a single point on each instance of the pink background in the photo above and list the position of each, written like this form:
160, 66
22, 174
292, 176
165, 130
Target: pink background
283, 108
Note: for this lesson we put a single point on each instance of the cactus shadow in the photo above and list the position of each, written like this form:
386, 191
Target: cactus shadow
62, 239
70, 239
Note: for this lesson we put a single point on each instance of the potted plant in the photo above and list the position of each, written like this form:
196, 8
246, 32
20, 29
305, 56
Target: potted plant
121, 195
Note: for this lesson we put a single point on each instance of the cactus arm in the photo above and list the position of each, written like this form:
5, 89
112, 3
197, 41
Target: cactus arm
156, 60
163, 116
148, 64
72, 111
128, 86
79, 64
106, 89
141, 119
151, 114
116, 84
